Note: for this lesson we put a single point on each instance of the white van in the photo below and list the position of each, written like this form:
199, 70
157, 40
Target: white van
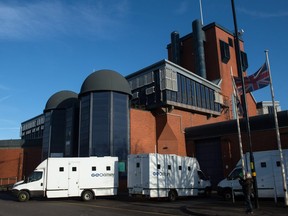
84, 177
268, 175
165, 175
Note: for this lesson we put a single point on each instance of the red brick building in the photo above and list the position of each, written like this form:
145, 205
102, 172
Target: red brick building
162, 128
183, 105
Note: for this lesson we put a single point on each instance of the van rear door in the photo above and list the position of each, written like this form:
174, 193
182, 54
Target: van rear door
73, 179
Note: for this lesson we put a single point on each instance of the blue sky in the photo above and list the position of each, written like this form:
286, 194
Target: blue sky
49, 46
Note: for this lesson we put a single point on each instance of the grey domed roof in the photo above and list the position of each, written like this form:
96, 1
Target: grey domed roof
60, 100
105, 80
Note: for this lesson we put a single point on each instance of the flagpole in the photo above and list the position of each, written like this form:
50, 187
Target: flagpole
277, 132
244, 104
238, 124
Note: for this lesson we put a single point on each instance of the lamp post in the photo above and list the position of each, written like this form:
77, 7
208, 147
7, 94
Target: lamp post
244, 104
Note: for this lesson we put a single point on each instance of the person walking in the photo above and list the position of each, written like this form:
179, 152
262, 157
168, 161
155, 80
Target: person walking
246, 184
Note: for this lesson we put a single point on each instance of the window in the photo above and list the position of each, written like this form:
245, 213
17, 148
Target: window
203, 97
230, 41
101, 113
194, 96
212, 99
179, 93
74, 169
149, 78
202, 175
189, 91
207, 94
137, 165
225, 52
150, 90
278, 164
198, 95
235, 174
108, 168
35, 176
93, 168
168, 79
270, 109
158, 166
244, 60
180, 167
120, 116
263, 164
101, 119
169, 167
84, 125
183, 90
189, 168
61, 169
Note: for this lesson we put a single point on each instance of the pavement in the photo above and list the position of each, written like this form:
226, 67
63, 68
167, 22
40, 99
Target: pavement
217, 206
266, 207
194, 206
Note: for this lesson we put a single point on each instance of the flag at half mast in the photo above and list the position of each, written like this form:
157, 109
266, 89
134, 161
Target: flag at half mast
256, 81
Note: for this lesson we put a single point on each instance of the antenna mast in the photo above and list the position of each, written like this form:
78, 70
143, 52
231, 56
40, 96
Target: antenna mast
201, 14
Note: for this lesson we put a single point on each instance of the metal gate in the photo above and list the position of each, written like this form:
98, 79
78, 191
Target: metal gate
209, 156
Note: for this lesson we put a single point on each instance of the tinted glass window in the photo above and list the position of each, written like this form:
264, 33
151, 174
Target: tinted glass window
120, 115
84, 125
101, 118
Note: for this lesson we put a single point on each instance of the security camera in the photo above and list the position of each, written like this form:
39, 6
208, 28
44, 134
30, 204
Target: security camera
240, 32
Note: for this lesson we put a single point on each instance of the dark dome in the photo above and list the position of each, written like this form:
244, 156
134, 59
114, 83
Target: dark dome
105, 80
60, 99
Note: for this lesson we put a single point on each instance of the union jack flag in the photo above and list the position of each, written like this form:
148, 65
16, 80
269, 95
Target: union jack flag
256, 81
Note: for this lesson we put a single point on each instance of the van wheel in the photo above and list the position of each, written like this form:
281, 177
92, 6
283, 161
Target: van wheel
227, 194
87, 195
23, 196
172, 195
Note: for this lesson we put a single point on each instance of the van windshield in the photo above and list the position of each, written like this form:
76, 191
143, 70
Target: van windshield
235, 174
35, 176
202, 175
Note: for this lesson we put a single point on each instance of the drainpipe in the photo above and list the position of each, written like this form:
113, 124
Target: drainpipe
198, 43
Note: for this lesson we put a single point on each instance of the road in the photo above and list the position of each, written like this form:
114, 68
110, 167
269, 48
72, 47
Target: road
123, 205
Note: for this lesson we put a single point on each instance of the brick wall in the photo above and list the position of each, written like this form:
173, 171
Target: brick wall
11, 162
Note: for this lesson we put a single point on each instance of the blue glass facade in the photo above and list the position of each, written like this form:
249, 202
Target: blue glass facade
60, 134
104, 124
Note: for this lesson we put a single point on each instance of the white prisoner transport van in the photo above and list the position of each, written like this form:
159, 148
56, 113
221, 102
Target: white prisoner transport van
84, 177
165, 175
268, 175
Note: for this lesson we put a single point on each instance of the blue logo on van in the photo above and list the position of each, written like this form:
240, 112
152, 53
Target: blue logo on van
160, 174
102, 174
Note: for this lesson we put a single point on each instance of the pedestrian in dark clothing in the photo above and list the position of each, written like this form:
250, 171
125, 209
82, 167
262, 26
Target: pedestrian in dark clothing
246, 184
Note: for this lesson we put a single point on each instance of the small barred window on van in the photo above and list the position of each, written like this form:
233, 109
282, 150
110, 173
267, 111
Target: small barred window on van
93, 168
108, 168
263, 164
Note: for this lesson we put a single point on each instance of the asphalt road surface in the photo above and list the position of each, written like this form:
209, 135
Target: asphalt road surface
123, 205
